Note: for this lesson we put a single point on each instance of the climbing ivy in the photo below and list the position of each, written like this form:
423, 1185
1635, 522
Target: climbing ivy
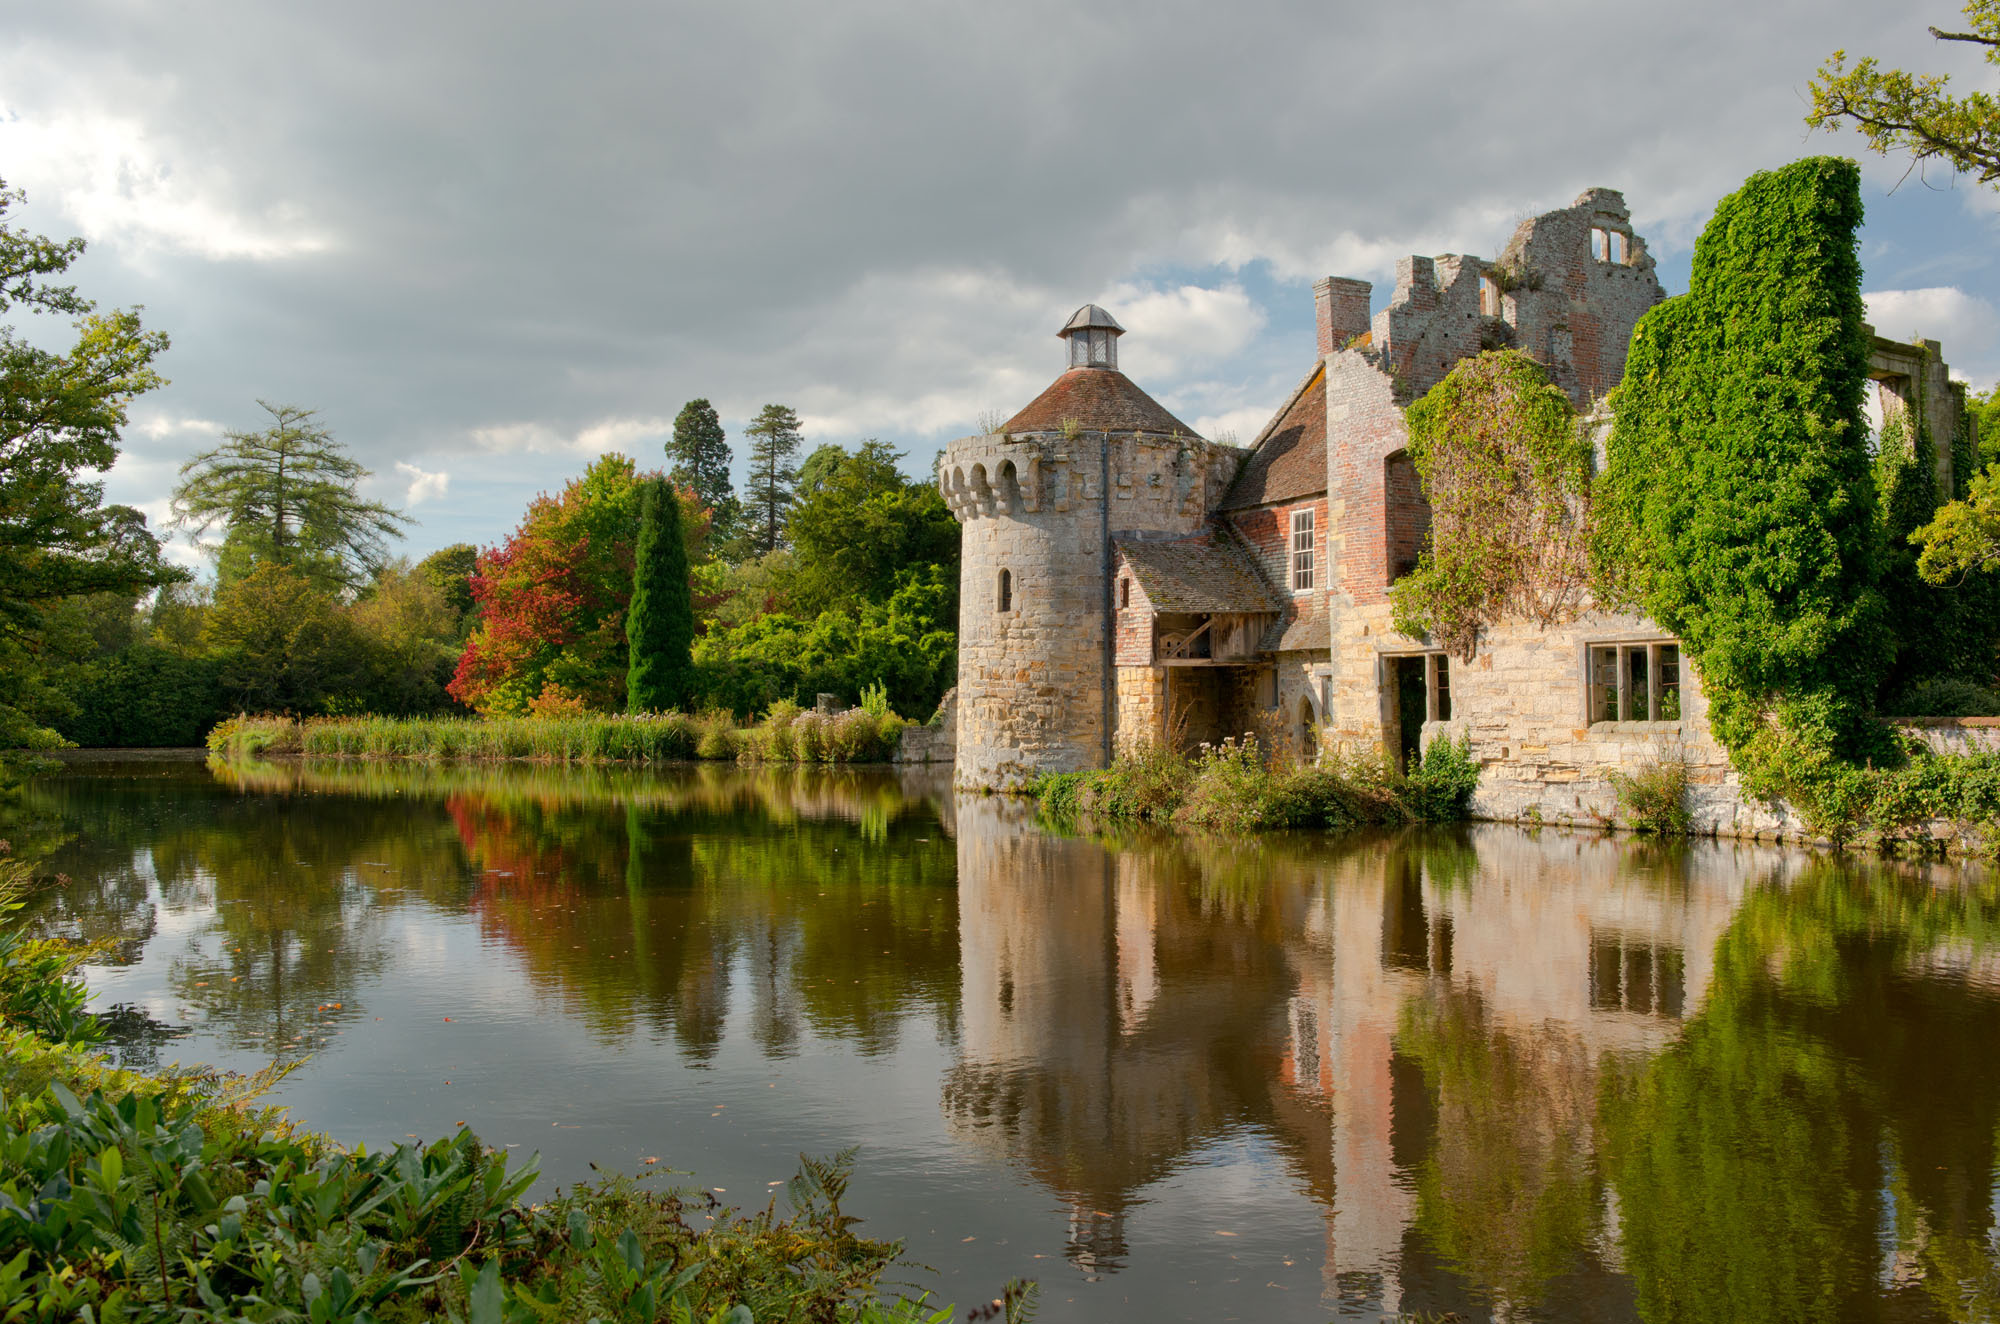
1738, 505
1941, 631
1506, 469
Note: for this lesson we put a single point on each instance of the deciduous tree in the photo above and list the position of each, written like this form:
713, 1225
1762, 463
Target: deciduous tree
1916, 113
860, 525
60, 415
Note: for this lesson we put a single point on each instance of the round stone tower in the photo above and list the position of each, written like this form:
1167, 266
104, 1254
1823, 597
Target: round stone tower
1092, 459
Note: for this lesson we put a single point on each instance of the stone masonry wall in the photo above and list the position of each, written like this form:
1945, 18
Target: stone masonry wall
1034, 681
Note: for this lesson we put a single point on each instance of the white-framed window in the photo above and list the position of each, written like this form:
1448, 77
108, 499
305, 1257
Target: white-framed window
1635, 682
1302, 550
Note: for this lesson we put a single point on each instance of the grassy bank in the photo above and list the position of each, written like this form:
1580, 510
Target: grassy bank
175, 1197
787, 734
1231, 787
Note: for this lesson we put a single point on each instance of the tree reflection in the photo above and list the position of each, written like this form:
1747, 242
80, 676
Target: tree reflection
1821, 1141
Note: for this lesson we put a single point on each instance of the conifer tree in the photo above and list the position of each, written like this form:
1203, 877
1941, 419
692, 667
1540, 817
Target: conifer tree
698, 457
659, 625
774, 442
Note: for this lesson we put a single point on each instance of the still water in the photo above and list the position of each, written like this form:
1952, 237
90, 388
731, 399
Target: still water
1505, 1074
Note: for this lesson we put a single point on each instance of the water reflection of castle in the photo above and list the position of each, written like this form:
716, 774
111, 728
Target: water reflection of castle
1122, 1008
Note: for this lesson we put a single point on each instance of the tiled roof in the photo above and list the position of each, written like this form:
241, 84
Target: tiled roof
1305, 631
1099, 400
1209, 572
1289, 460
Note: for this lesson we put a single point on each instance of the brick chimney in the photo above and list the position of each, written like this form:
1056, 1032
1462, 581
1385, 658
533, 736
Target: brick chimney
1341, 307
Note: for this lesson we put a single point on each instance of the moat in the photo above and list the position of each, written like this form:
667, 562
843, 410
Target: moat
1506, 1074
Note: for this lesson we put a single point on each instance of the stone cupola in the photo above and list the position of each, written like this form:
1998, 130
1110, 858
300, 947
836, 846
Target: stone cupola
1093, 335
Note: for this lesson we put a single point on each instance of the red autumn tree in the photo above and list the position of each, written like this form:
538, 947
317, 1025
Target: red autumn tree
551, 600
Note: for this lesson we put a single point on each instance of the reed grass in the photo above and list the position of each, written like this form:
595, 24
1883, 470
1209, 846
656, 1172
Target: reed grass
787, 735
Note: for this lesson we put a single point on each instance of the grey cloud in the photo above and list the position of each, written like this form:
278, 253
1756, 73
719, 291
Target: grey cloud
542, 217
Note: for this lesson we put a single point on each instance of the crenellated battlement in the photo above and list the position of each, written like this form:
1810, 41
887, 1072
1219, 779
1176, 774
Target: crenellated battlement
1162, 482
992, 475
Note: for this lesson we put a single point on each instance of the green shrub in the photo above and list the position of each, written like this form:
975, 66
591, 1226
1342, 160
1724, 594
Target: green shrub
1441, 788
1230, 790
1946, 697
717, 738
1654, 798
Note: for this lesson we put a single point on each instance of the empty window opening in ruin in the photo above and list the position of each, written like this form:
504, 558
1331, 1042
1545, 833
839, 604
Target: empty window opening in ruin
1418, 687
1610, 246
1005, 596
1302, 550
1124, 593
1406, 516
1489, 297
1635, 682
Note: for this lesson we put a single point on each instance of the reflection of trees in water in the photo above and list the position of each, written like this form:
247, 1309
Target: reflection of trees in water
1495, 1124
1837, 1087
629, 894
640, 914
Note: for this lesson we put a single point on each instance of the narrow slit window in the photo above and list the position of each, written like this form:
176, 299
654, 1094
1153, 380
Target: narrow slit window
1440, 687
1302, 550
1124, 594
1006, 594
1489, 297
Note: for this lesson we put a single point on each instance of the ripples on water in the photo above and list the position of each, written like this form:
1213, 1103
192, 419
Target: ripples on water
1499, 1073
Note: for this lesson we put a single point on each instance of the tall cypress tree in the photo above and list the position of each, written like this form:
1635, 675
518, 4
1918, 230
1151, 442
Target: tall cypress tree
774, 443
659, 627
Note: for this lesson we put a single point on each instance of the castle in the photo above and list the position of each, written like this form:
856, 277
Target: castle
1125, 581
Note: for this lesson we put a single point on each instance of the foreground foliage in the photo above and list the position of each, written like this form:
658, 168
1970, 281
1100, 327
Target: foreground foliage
1916, 113
127, 1197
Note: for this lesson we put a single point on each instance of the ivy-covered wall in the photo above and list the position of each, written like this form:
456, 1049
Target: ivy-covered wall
1738, 505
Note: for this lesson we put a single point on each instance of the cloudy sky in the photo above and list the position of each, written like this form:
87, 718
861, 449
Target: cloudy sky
490, 241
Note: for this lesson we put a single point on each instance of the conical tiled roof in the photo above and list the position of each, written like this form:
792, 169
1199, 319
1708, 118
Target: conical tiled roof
1098, 400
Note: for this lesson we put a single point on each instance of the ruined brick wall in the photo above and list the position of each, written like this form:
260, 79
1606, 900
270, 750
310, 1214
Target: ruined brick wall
1406, 515
1550, 294
1035, 684
1571, 309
